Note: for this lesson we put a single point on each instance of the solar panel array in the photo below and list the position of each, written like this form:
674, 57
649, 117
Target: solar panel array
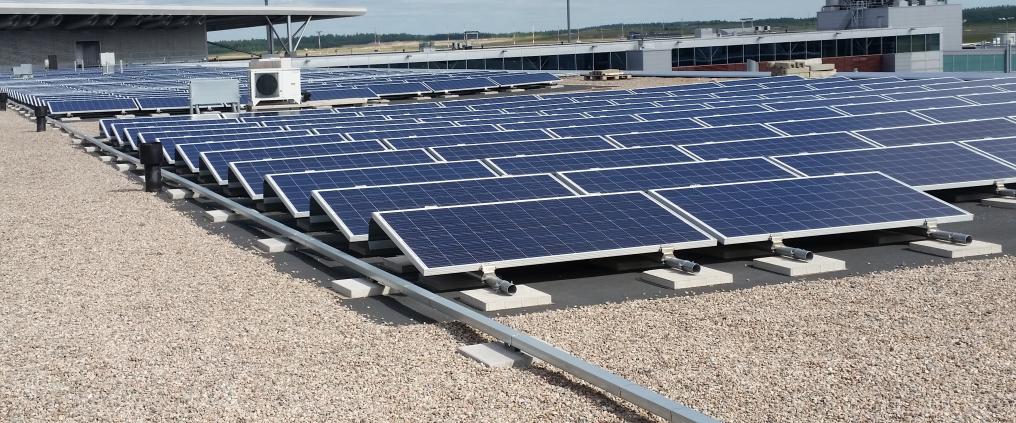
530, 179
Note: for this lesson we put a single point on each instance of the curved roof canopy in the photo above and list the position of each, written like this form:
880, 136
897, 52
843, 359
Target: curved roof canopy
71, 16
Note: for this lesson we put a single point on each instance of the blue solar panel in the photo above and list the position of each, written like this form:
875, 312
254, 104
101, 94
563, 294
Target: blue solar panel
558, 106
925, 167
397, 88
92, 106
1003, 148
691, 113
464, 139
793, 208
515, 148
929, 133
250, 174
188, 149
624, 128
217, 162
790, 105
341, 93
957, 114
294, 189
339, 128
849, 123
641, 178
557, 123
776, 146
974, 83
465, 84
993, 98
132, 132
350, 208
764, 117
380, 134
125, 130
941, 93
164, 103
115, 127
517, 79
522, 117
697, 135
169, 148
560, 162
904, 105
461, 238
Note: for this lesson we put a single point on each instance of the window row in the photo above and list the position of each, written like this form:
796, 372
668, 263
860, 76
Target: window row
582, 62
722, 55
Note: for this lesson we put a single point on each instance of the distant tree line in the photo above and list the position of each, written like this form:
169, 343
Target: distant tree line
988, 15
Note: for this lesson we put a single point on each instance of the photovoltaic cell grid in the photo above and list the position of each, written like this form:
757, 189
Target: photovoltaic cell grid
643, 178
765, 147
939, 132
763, 117
901, 106
1003, 148
557, 123
92, 106
624, 128
925, 167
402, 133
461, 238
692, 113
561, 162
992, 98
294, 189
379, 125
188, 149
351, 208
467, 138
691, 136
251, 174
849, 123
957, 114
515, 148
790, 105
516, 118
940, 93
217, 162
170, 131
792, 208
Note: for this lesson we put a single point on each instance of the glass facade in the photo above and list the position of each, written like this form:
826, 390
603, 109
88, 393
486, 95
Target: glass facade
975, 62
767, 52
714, 55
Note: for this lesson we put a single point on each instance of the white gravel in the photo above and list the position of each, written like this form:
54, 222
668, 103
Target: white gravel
926, 344
213, 332
115, 307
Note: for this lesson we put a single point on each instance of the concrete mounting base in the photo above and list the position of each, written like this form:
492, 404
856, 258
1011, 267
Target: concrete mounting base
673, 279
276, 245
359, 288
125, 167
517, 90
76, 141
448, 96
106, 159
556, 86
950, 250
497, 355
222, 216
179, 194
488, 92
90, 148
486, 299
398, 264
1000, 202
421, 98
790, 267
70, 119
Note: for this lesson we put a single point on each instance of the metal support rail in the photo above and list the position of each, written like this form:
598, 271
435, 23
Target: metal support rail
629, 391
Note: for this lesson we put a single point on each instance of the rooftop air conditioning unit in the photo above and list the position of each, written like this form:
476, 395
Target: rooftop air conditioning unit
274, 80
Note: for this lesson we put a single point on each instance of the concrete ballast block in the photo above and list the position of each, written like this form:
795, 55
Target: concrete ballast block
276, 245
486, 299
222, 216
497, 355
675, 279
398, 264
359, 288
950, 250
791, 267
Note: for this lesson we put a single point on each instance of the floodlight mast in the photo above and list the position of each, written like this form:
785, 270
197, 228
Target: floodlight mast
568, 17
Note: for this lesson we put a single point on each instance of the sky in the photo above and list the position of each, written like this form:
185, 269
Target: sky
443, 16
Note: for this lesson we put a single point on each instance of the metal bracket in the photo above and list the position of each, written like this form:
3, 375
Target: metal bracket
669, 259
932, 232
492, 280
777, 247
1001, 190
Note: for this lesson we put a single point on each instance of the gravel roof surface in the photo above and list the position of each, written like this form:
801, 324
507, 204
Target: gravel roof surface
922, 344
114, 306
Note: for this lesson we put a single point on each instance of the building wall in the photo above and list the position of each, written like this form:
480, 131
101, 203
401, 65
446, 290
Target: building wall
949, 17
928, 61
187, 44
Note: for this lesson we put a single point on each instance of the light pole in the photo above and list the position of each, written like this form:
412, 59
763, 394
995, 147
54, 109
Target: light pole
568, 17
319, 40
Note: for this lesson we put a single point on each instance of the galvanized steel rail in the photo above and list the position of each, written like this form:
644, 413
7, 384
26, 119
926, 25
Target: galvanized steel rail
629, 391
